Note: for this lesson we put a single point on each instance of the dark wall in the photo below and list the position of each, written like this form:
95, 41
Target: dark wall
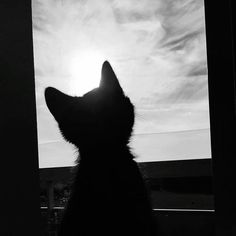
185, 223
220, 31
19, 160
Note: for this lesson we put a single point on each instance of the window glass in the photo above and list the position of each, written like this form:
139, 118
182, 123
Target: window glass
158, 51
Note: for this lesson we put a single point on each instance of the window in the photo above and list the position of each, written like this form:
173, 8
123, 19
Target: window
157, 49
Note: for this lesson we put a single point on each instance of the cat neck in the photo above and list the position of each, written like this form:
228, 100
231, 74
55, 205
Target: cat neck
108, 154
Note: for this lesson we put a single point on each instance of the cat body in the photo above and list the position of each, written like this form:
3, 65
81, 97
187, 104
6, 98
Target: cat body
108, 196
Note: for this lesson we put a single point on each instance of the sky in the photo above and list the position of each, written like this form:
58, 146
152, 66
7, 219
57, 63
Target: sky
157, 49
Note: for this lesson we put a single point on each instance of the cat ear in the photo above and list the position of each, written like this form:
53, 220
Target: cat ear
56, 102
109, 81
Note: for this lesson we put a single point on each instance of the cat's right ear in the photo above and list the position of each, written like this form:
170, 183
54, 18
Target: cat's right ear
109, 81
56, 102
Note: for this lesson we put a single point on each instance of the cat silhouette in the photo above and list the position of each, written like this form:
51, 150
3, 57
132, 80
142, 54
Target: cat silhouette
109, 196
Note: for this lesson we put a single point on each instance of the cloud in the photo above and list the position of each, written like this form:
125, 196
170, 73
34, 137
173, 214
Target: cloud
181, 17
200, 69
180, 41
183, 82
193, 89
169, 146
173, 117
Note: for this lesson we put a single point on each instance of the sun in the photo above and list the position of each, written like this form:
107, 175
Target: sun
85, 72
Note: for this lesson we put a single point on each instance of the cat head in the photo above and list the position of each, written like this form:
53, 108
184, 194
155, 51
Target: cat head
103, 116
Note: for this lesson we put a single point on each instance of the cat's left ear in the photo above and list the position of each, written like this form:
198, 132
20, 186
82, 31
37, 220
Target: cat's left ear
109, 81
57, 102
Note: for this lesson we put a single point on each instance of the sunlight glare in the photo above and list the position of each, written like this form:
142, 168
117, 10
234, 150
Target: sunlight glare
85, 72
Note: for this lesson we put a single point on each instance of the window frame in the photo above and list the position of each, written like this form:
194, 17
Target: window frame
220, 35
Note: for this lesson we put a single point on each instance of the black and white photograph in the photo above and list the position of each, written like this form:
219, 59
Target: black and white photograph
118, 117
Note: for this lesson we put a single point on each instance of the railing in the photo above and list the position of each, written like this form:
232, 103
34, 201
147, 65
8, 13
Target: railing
181, 195
51, 220
170, 222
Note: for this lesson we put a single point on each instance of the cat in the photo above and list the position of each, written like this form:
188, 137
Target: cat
109, 196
